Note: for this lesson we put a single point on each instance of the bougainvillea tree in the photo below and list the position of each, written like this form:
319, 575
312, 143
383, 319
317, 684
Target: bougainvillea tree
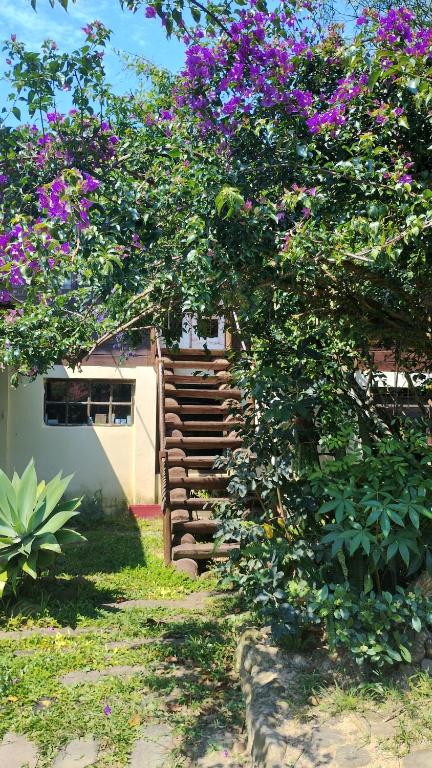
282, 178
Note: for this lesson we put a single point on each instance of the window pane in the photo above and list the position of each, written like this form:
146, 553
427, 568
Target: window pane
78, 391
100, 391
208, 328
55, 414
77, 414
122, 393
121, 414
56, 389
99, 414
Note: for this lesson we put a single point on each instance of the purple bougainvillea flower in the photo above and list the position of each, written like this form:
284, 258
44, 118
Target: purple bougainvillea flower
90, 184
150, 12
166, 114
3, 178
107, 710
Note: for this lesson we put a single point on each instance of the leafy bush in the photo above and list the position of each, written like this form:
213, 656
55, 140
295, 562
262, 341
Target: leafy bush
353, 535
32, 517
377, 512
375, 628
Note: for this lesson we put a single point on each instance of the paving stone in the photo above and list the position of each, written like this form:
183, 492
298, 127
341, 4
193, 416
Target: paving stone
131, 644
382, 727
153, 748
80, 753
94, 675
420, 759
21, 634
218, 749
194, 601
17, 752
352, 756
324, 738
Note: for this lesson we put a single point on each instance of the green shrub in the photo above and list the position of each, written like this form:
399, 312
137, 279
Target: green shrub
362, 523
376, 514
32, 517
376, 628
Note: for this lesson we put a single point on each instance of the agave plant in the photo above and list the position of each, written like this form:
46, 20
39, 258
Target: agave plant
32, 517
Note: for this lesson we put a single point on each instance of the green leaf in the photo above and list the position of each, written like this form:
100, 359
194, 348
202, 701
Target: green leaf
385, 524
27, 493
229, 198
329, 506
414, 517
47, 541
57, 521
374, 77
416, 623
406, 655
55, 490
3, 581
68, 536
404, 551
29, 566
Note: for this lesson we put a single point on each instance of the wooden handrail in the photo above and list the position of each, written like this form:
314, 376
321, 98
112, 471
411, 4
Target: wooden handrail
163, 456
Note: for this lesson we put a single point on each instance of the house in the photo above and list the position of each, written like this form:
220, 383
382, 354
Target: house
97, 422
100, 422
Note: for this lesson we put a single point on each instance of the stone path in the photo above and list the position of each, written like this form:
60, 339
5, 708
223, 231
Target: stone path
196, 601
17, 752
79, 753
153, 747
94, 675
155, 741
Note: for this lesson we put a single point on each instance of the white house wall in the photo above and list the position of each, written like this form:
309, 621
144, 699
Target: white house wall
117, 460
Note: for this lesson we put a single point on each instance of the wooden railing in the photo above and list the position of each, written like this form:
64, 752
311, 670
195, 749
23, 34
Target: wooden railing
163, 456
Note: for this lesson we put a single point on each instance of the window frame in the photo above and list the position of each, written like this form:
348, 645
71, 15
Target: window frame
89, 402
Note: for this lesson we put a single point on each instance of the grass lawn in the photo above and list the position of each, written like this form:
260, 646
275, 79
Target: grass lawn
122, 560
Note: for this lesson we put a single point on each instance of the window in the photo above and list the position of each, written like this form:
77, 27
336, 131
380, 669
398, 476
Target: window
78, 402
402, 401
208, 327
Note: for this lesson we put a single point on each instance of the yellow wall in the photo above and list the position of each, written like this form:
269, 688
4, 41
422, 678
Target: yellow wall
118, 460
4, 385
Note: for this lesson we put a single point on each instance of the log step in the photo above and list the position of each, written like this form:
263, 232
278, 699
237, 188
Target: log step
190, 410
196, 527
204, 426
203, 394
203, 442
192, 379
205, 504
199, 365
182, 515
181, 354
197, 483
202, 551
191, 462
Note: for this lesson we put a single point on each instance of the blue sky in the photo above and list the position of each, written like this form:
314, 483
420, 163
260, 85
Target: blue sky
132, 33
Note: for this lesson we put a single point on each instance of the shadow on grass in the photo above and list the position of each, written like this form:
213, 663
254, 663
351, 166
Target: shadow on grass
202, 674
68, 591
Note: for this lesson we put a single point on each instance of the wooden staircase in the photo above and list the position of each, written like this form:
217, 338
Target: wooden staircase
199, 415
